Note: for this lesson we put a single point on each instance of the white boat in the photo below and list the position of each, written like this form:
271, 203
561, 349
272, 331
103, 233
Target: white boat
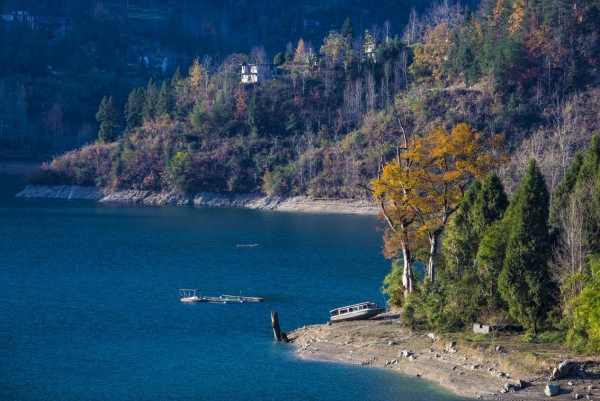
361, 311
191, 295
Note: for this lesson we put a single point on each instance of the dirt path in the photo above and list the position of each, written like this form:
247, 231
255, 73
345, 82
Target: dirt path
461, 368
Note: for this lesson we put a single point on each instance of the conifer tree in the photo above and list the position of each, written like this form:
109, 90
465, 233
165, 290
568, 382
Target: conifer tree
591, 161
109, 120
484, 203
460, 241
134, 108
565, 188
523, 282
149, 111
177, 79
348, 30
165, 101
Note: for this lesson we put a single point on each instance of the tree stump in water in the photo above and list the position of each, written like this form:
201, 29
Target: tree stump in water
279, 335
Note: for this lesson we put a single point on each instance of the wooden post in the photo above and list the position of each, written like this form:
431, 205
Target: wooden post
279, 335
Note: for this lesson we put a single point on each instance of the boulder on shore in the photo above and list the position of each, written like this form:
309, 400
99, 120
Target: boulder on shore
562, 370
552, 390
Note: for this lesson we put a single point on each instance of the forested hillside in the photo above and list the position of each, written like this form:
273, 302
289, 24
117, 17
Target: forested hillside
473, 128
54, 75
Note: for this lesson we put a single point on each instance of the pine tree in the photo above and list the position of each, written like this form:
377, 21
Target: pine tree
165, 102
490, 205
591, 161
461, 240
348, 30
149, 111
109, 120
134, 108
484, 203
177, 79
523, 282
565, 188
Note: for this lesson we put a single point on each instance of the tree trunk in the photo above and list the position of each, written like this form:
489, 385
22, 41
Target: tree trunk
407, 274
433, 249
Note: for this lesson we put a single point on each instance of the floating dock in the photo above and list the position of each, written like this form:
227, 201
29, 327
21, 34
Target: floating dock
195, 296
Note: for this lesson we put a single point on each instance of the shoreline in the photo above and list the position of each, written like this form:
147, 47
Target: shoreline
468, 371
251, 201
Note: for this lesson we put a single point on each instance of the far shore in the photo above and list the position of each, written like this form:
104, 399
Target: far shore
18, 167
515, 371
251, 201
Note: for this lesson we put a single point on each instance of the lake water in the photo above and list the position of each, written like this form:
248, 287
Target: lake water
90, 307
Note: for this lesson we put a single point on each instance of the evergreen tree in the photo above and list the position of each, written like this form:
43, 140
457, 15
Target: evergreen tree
165, 102
523, 282
591, 161
149, 111
109, 120
490, 258
565, 188
177, 79
490, 205
348, 30
279, 59
134, 108
472, 271
461, 240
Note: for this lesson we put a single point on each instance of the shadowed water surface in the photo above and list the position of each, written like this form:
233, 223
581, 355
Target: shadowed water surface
90, 307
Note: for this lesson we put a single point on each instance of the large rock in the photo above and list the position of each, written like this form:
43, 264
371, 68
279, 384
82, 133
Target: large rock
562, 370
552, 390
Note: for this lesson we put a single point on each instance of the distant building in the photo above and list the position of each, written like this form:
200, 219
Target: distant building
256, 73
369, 51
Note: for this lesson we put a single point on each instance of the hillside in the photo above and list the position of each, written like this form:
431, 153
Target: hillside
60, 57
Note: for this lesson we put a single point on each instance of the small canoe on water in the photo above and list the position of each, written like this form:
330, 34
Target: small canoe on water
361, 311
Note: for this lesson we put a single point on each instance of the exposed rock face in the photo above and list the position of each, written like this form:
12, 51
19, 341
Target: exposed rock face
251, 201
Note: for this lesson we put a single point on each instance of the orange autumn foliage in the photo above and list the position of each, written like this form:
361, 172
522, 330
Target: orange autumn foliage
426, 184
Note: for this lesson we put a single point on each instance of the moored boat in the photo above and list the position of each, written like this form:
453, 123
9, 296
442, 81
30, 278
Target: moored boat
361, 311
191, 295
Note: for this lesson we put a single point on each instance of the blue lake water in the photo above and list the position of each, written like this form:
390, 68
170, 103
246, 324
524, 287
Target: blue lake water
89, 304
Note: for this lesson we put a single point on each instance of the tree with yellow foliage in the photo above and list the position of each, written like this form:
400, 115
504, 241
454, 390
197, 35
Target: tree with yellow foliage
424, 186
431, 56
300, 55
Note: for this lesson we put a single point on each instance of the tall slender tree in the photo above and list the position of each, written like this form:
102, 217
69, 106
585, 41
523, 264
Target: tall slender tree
166, 101
524, 279
565, 188
134, 108
109, 120
149, 111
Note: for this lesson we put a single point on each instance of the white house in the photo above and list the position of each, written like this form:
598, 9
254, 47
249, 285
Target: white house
252, 73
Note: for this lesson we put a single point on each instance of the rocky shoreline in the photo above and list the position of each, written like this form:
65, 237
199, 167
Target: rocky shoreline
250, 201
500, 373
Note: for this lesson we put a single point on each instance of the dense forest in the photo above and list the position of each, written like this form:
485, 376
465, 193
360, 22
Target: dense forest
473, 128
58, 58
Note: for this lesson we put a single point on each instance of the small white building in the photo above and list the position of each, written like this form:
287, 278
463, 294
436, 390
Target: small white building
252, 73
369, 51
